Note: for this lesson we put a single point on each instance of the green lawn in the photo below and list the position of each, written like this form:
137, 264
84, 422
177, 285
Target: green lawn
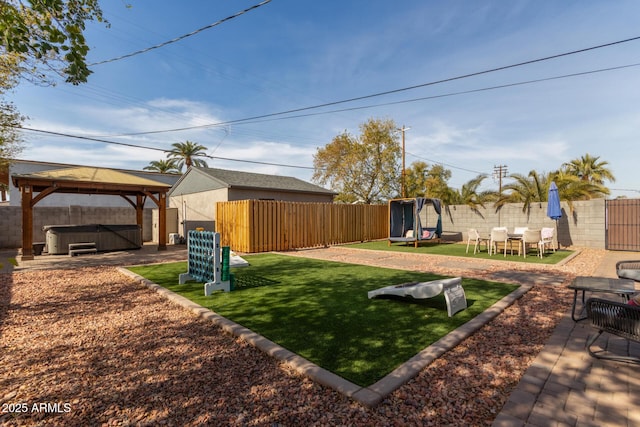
320, 310
459, 250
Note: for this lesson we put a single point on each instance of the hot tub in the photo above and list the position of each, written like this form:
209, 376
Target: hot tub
114, 237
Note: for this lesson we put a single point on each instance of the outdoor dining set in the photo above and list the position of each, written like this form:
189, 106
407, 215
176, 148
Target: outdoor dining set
521, 239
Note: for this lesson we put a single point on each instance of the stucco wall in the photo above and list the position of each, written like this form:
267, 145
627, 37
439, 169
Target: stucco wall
197, 209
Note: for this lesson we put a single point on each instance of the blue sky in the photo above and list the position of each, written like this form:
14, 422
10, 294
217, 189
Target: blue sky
291, 54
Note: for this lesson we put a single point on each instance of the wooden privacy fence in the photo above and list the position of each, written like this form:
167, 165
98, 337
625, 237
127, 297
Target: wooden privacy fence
264, 225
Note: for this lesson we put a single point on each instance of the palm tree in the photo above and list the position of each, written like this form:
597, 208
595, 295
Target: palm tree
571, 187
187, 153
469, 195
525, 189
535, 188
588, 168
163, 166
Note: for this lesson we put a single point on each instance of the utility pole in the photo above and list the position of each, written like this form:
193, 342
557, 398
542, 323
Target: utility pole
500, 172
403, 130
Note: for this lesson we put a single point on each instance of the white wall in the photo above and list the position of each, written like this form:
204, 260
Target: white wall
197, 209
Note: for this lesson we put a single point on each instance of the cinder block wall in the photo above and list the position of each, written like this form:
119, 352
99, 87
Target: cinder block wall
582, 227
11, 220
10, 226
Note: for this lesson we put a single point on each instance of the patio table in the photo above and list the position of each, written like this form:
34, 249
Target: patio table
517, 238
622, 287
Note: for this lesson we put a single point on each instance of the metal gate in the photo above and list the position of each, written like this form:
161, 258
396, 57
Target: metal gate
623, 224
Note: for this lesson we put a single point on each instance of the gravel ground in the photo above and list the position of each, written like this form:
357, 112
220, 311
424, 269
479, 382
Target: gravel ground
91, 346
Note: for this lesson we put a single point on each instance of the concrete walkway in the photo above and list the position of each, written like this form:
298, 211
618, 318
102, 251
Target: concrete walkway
149, 253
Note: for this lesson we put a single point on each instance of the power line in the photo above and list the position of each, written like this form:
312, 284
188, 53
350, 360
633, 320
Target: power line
625, 189
89, 138
184, 36
99, 138
162, 149
389, 92
269, 117
448, 164
258, 162
424, 98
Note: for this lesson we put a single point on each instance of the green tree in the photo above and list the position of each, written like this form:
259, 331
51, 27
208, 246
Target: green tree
187, 153
364, 168
11, 142
37, 38
163, 166
48, 36
437, 184
589, 168
424, 181
415, 179
10, 137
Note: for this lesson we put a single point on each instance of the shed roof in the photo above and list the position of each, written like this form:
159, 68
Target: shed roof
223, 178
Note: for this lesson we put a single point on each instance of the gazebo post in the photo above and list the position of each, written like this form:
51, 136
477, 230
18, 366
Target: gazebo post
139, 209
162, 219
27, 223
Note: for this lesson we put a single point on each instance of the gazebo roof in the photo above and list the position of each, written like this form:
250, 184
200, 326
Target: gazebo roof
90, 179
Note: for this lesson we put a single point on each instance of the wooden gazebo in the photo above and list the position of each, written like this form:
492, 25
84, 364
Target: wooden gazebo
89, 180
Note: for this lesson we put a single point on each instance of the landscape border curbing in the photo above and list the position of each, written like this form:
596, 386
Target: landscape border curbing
368, 396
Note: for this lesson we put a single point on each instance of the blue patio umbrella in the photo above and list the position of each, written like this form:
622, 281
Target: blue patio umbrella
554, 211
553, 202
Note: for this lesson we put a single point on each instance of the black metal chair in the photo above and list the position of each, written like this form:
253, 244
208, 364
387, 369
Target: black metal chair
616, 318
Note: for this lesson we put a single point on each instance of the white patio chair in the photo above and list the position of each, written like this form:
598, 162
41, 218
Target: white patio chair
532, 237
498, 234
474, 236
548, 234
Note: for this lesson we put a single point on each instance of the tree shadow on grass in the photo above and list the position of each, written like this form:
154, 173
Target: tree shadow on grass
249, 281
438, 302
